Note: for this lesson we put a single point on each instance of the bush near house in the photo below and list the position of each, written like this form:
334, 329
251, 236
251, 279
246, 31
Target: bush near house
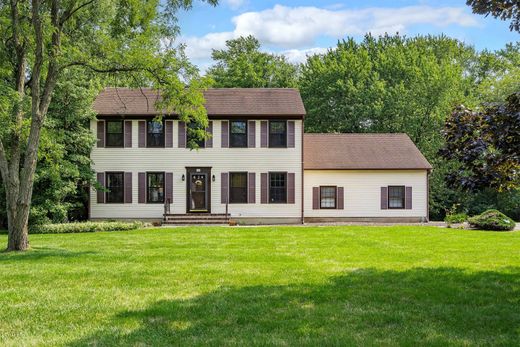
86, 227
492, 220
456, 218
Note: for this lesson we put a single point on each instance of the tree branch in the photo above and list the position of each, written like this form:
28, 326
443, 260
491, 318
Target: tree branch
71, 11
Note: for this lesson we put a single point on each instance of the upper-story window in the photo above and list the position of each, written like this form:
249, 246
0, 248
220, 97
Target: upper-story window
278, 134
155, 133
238, 133
396, 196
115, 187
114, 133
191, 134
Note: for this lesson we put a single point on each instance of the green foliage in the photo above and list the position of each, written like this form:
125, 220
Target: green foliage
486, 145
503, 9
84, 227
492, 220
242, 64
456, 218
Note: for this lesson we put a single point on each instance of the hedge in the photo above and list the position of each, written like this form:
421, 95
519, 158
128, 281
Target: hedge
492, 220
85, 227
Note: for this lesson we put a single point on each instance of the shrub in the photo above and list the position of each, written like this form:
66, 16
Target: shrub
492, 220
456, 218
85, 227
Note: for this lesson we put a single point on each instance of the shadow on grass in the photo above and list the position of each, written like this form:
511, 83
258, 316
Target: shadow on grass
419, 306
37, 253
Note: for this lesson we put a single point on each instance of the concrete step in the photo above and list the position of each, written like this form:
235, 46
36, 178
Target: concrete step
195, 222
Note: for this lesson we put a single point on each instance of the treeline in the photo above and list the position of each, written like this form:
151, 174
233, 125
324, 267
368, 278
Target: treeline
387, 84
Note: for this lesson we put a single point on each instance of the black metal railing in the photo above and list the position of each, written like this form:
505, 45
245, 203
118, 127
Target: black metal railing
167, 206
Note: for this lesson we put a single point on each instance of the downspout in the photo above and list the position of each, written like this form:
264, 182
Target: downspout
302, 190
428, 195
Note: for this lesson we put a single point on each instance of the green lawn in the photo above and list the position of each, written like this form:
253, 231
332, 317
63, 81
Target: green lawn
263, 286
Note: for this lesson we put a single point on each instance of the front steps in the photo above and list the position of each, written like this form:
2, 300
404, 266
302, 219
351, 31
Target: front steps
195, 219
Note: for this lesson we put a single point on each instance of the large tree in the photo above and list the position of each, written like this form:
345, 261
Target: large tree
242, 64
503, 9
42, 39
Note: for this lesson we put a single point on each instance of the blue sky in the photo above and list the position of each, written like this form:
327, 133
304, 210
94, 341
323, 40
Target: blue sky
299, 27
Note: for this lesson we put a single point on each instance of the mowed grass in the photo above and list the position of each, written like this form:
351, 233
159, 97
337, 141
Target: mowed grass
263, 286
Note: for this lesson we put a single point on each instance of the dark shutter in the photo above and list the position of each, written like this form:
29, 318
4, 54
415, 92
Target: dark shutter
168, 186
224, 182
182, 135
263, 134
340, 196
101, 193
128, 187
251, 143
384, 198
209, 130
408, 198
315, 198
251, 182
142, 134
141, 198
101, 133
128, 133
290, 134
290, 188
168, 134
225, 134
263, 188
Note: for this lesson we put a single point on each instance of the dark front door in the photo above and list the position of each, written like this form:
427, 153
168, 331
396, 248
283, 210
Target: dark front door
198, 190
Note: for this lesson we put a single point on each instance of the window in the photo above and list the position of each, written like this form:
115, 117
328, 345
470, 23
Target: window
277, 187
155, 187
191, 135
278, 134
155, 134
114, 134
238, 134
396, 197
328, 197
115, 187
238, 188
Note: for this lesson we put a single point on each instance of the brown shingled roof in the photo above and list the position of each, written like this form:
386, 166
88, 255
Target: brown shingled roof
219, 102
362, 151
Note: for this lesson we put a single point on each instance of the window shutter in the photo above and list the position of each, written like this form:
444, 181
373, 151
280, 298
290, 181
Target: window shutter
251, 143
128, 133
100, 133
142, 134
263, 188
251, 182
408, 198
128, 187
290, 134
384, 198
225, 134
182, 135
100, 193
263, 134
141, 188
168, 134
290, 188
209, 130
168, 186
315, 198
224, 182
340, 196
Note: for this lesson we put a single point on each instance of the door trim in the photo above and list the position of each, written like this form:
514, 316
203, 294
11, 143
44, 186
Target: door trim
193, 170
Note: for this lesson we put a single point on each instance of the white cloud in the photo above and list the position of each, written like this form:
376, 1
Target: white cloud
297, 56
293, 28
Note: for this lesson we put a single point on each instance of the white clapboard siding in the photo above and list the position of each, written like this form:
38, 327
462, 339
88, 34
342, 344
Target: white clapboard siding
363, 192
176, 160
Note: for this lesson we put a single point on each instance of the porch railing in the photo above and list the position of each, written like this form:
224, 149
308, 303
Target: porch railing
167, 206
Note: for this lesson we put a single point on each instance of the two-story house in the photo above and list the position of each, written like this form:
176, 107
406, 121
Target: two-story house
251, 167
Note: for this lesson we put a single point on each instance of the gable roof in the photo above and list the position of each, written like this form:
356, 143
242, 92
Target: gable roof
362, 151
270, 102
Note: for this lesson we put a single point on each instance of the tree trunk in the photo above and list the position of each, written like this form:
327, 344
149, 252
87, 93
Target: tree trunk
17, 217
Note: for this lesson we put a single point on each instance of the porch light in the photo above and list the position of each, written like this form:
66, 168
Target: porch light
213, 178
183, 178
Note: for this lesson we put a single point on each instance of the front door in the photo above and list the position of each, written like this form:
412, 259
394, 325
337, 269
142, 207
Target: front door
198, 190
